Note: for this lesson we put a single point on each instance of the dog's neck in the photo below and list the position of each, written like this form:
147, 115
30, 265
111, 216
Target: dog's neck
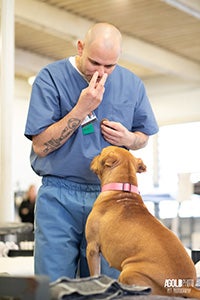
117, 186
122, 177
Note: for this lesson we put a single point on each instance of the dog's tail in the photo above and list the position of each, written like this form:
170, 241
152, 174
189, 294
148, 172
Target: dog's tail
191, 292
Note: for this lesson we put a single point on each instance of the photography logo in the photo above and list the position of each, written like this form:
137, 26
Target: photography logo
177, 286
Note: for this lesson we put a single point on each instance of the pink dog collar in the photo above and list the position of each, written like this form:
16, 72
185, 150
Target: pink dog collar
127, 187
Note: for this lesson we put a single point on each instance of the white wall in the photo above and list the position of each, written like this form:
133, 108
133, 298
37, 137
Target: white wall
23, 174
174, 100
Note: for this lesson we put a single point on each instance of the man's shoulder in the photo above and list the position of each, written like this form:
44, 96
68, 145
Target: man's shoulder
56, 69
59, 64
127, 73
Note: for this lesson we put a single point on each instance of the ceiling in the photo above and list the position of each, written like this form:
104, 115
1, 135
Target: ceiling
160, 37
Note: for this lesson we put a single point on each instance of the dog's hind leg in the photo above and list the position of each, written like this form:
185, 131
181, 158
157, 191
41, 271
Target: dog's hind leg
129, 276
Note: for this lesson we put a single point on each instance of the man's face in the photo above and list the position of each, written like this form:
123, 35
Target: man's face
96, 58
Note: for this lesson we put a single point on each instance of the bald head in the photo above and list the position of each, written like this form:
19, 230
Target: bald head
99, 51
103, 34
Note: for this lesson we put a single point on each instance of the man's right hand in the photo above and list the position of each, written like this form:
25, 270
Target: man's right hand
91, 97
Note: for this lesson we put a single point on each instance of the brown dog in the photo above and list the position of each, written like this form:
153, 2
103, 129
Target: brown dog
129, 237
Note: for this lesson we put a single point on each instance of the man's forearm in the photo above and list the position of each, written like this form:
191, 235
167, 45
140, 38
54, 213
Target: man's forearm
138, 140
56, 134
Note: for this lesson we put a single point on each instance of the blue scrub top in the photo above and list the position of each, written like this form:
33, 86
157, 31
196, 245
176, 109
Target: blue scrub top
55, 92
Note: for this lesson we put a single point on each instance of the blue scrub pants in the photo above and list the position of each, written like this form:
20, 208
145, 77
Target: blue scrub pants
61, 212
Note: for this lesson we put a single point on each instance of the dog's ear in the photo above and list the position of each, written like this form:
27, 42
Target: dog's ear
109, 160
94, 165
140, 166
104, 159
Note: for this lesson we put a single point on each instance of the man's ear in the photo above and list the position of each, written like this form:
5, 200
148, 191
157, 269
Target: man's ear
141, 167
80, 47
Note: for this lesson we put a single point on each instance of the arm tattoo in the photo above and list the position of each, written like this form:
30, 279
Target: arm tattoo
54, 144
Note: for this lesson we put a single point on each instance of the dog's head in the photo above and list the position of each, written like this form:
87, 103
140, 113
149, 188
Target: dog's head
113, 157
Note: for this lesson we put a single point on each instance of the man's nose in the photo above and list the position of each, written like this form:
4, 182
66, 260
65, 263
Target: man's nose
101, 70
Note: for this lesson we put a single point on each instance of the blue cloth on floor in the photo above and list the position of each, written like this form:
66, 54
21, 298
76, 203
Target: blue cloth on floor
93, 288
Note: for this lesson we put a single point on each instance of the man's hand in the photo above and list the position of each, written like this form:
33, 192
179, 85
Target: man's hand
91, 97
117, 134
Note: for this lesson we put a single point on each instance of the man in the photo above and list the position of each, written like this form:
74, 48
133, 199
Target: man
27, 206
69, 100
